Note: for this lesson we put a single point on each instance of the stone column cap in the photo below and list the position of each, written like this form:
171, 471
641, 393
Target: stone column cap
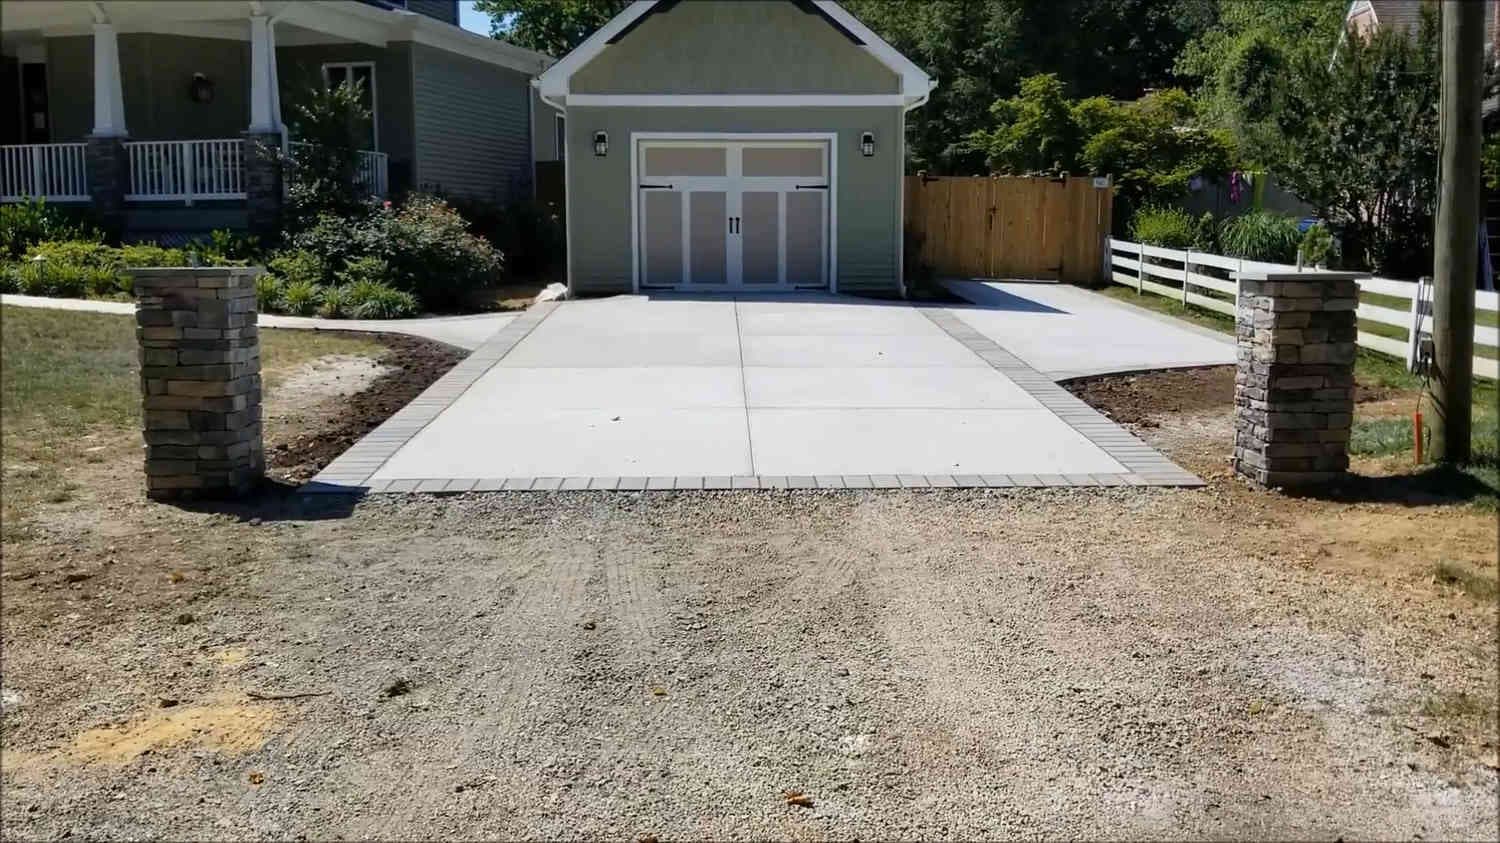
171, 271
1310, 276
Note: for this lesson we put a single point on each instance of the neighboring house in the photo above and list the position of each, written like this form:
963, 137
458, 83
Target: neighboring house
734, 145
146, 109
1366, 17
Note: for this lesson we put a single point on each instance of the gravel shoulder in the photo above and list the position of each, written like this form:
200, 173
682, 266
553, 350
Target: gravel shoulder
1044, 662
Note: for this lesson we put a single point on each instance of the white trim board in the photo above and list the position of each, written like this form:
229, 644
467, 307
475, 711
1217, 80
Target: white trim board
733, 100
556, 83
830, 139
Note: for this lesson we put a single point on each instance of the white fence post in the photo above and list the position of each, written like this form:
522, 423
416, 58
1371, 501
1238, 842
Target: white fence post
1187, 262
37, 188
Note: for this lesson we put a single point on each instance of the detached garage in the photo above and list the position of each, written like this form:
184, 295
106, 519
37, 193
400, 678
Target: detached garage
734, 145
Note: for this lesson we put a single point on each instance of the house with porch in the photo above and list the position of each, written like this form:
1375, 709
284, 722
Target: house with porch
165, 116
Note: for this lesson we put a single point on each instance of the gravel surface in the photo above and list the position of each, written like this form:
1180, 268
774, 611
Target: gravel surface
965, 664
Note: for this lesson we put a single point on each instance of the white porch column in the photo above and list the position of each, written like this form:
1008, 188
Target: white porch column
265, 105
109, 98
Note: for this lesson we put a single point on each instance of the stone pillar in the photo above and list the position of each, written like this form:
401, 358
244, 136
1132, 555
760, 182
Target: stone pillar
1294, 385
200, 380
264, 192
109, 180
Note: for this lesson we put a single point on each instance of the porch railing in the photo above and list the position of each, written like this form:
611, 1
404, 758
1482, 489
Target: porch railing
371, 170
54, 171
184, 171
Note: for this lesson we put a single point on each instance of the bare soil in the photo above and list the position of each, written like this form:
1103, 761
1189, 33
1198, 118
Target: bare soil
1222, 662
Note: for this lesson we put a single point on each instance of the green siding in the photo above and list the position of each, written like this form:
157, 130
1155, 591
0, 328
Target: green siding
156, 71
741, 47
473, 126
869, 189
300, 69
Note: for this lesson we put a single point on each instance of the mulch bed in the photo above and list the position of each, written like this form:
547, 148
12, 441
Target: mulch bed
416, 363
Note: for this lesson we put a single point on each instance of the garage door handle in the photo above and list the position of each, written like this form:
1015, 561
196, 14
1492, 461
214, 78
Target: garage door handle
734, 225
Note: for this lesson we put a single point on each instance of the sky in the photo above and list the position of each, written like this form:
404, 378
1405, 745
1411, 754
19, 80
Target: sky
472, 20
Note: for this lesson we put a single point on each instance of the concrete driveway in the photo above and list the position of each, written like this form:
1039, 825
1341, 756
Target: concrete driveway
804, 391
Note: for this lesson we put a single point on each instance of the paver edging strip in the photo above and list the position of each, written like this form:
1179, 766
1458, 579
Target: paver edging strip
1143, 464
350, 472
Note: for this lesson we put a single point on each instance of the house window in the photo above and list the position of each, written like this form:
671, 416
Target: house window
559, 137
362, 75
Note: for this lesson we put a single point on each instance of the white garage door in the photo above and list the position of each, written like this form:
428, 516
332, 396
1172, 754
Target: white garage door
732, 215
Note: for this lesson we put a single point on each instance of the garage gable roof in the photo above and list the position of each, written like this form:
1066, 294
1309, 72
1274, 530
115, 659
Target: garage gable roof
554, 85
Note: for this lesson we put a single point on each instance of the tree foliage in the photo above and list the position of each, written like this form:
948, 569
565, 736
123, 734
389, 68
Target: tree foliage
1240, 62
1356, 137
548, 26
323, 172
1149, 145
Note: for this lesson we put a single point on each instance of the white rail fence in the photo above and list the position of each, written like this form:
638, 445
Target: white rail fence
55, 171
1207, 281
185, 171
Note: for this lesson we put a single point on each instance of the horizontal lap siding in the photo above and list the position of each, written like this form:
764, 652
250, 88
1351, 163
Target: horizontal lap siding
869, 189
473, 131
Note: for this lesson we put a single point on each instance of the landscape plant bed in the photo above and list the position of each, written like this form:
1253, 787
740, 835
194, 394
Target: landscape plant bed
295, 459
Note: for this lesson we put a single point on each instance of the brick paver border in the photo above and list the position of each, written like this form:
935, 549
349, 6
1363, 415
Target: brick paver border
350, 473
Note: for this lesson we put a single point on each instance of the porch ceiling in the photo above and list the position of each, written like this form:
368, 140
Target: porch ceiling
307, 22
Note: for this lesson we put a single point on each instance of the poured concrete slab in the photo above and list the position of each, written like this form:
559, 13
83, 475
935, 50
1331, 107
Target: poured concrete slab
640, 393
1068, 332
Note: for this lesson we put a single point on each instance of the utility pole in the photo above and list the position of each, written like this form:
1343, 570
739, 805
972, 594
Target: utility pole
1456, 246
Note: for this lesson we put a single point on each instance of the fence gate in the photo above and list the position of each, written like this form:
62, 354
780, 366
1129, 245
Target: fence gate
1008, 227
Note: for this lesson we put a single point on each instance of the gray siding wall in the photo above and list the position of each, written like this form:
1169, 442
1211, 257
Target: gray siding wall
473, 127
444, 10
869, 189
156, 71
300, 70
738, 47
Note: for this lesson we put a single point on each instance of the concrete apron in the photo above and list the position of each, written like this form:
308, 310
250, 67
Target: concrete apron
635, 393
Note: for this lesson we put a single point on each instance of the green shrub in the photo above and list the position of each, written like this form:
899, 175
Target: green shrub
529, 234
372, 270
51, 278
268, 292
301, 298
297, 266
371, 300
10, 277
150, 254
24, 224
104, 282
75, 252
1169, 228
1261, 236
335, 304
224, 245
1316, 247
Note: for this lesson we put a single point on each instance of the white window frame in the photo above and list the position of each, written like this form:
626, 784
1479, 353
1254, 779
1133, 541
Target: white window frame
348, 68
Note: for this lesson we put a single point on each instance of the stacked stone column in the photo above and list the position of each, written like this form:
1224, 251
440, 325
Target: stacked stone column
1294, 385
200, 380
264, 192
109, 180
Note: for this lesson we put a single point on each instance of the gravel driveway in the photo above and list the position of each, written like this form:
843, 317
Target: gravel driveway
1067, 663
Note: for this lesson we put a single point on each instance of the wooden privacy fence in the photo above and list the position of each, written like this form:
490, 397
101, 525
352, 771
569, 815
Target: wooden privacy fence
1008, 226
1390, 312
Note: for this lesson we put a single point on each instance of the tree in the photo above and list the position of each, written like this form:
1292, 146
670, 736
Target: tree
1150, 146
327, 123
554, 27
1239, 63
1356, 137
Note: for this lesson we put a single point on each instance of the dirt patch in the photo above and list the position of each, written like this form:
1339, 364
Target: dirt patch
354, 397
1142, 399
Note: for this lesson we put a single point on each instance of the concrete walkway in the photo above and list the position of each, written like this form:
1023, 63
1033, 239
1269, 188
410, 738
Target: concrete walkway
1069, 332
804, 391
468, 332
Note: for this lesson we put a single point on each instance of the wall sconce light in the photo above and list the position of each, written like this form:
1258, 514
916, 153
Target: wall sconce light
201, 89
867, 144
601, 144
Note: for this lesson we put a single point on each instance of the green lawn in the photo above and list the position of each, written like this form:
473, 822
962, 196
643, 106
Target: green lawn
69, 391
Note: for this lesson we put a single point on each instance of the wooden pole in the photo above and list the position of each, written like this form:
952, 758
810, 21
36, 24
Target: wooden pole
1455, 248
